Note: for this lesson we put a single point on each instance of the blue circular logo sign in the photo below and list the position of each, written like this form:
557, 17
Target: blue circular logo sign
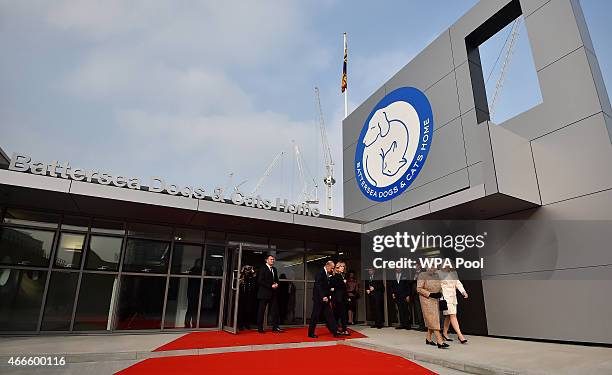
393, 144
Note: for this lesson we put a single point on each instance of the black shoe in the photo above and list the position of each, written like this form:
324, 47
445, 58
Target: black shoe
277, 330
337, 334
313, 336
443, 346
463, 341
407, 328
400, 327
373, 326
261, 331
427, 342
379, 327
446, 338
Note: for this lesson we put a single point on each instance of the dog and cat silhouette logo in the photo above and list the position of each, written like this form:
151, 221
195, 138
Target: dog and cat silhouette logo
393, 144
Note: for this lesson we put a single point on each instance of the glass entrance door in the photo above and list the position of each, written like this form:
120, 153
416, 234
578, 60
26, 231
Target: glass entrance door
232, 289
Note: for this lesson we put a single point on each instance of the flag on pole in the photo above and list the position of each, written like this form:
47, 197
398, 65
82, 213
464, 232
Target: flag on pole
344, 82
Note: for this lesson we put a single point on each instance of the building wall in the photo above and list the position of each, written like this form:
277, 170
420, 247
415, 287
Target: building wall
556, 155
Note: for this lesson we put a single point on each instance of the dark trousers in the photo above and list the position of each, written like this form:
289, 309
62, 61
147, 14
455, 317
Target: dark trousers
403, 310
319, 307
418, 314
272, 304
341, 314
377, 304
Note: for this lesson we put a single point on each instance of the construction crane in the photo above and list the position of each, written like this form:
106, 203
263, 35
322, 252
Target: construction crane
306, 193
267, 172
328, 180
502, 75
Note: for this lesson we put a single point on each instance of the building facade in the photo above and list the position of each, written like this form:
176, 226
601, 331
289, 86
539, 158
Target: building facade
550, 163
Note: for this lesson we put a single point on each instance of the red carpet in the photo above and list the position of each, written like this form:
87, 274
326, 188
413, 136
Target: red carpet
336, 360
220, 339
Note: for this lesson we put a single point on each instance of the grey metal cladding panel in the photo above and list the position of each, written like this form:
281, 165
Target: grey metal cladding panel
476, 174
540, 245
460, 197
244, 211
129, 195
433, 190
553, 32
428, 67
408, 214
574, 161
446, 155
348, 162
321, 222
474, 17
34, 181
353, 198
531, 317
514, 166
352, 125
530, 6
373, 212
602, 93
582, 25
465, 90
444, 100
565, 101
477, 140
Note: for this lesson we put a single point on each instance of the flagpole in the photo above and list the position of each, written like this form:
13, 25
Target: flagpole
346, 90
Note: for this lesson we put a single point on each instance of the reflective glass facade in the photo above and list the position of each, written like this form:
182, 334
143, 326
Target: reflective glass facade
61, 273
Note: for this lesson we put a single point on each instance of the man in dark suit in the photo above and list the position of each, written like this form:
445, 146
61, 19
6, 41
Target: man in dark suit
267, 294
400, 292
321, 302
375, 290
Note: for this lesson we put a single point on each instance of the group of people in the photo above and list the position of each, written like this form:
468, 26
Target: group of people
335, 296
429, 292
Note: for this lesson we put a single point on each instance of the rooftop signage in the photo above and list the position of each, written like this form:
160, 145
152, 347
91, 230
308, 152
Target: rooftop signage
21, 162
393, 144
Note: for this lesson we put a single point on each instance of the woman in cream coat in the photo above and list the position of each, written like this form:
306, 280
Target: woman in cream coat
428, 287
449, 282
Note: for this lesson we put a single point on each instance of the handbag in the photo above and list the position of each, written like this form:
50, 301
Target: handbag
443, 304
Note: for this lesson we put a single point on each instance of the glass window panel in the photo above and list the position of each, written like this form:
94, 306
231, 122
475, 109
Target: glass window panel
290, 264
290, 302
29, 247
96, 298
60, 301
21, 293
70, 250
103, 253
255, 259
187, 259
188, 235
108, 227
215, 237
75, 223
23, 217
211, 299
182, 304
213, 265
146, 256
150, 231
141, 301
282, 244
315, 262
250, 241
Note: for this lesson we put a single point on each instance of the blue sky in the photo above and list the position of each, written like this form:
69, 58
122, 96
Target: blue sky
194, 90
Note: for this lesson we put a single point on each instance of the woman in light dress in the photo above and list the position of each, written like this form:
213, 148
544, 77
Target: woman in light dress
429, 289
450, 283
